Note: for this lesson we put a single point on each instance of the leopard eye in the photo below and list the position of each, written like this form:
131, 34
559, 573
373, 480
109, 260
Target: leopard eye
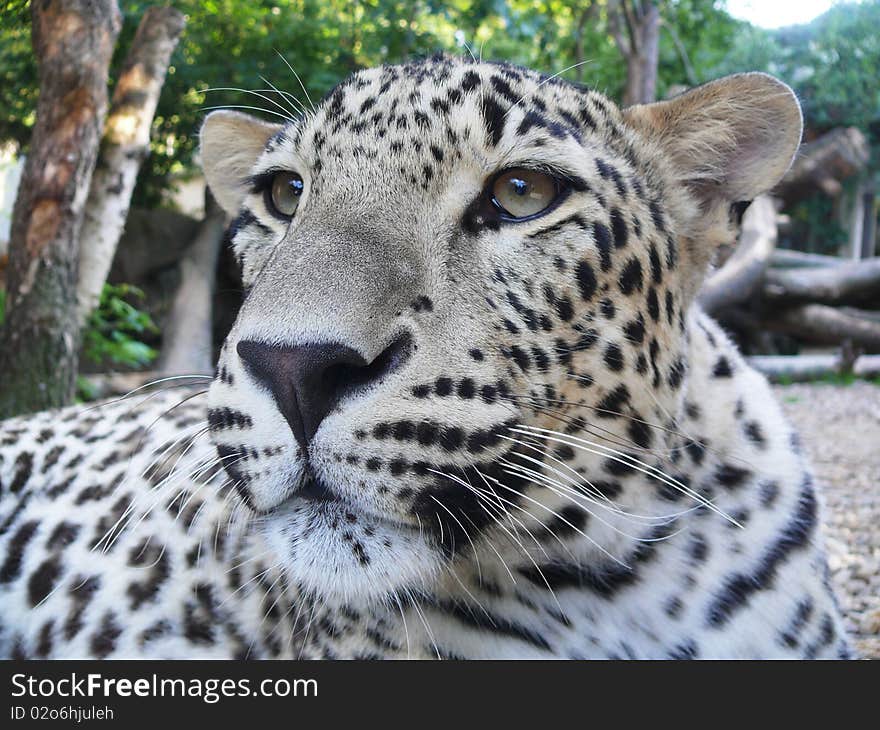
285, 191
520, 194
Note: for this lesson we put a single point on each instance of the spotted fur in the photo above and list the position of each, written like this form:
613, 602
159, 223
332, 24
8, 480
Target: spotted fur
569, 460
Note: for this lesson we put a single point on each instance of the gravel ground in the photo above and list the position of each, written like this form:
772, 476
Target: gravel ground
840, 428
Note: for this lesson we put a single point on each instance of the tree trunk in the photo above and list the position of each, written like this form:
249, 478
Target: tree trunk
187, 346
824, 325
73, 43
580, 56
125, 146
640, 47
852, 281
869, 222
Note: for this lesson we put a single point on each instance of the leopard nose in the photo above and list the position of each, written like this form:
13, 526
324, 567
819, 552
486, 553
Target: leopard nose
309, 381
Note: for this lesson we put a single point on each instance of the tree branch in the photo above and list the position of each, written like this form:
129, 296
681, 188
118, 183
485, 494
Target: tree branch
682, 54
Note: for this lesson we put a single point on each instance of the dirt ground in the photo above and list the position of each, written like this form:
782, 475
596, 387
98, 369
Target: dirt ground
840, 428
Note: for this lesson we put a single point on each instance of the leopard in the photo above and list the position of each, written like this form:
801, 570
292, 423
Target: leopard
470, 408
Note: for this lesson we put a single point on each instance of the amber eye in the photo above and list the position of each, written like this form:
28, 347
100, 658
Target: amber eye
519, 193
284, 193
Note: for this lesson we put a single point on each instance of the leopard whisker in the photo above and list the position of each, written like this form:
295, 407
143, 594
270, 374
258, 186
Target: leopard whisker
296, 106
630, 461
576, 491
253, 93
299, 80
250, 108
103, 404
466, 534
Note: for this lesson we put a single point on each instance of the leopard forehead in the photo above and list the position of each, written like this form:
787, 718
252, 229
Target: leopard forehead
413, 121
401, 153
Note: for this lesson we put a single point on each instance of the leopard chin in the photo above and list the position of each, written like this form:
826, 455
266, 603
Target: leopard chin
337, 556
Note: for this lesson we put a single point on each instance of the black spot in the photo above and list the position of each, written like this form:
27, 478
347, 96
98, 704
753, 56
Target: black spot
613, 357
42, 580
641, 433
24, 465
755, 434
564, 309
653, 304
698, 548
520, 358
466, 389
630, 278
602, 238
63, 535
493, 118
635, 330
606, 306
104, 641
656, 266
451, 438
722, 368
81, 592
768, 491
570, 521
443, 386
619, 229
427, 433
611, 405
604, 581
731, 476
480, 619
15, 551
470, 81
685, 650
421, 391
586, 279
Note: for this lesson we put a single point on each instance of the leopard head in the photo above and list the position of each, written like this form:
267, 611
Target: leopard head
454, 270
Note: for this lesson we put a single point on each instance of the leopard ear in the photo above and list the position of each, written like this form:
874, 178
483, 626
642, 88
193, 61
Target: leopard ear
230, 144
729, 140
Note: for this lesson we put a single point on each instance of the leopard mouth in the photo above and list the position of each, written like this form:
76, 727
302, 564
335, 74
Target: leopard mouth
320, 496
316, 490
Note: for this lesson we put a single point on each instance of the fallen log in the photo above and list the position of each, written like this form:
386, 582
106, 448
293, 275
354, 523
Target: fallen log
786, 259
821, 324
823, 163
798, 368
850, 281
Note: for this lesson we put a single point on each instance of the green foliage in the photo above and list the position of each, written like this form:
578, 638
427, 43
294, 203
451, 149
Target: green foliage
833, 379
814, 227
113, 330
831, 62
18, 73
232, 43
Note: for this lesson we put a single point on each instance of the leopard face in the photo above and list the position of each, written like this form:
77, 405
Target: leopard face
447, 263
